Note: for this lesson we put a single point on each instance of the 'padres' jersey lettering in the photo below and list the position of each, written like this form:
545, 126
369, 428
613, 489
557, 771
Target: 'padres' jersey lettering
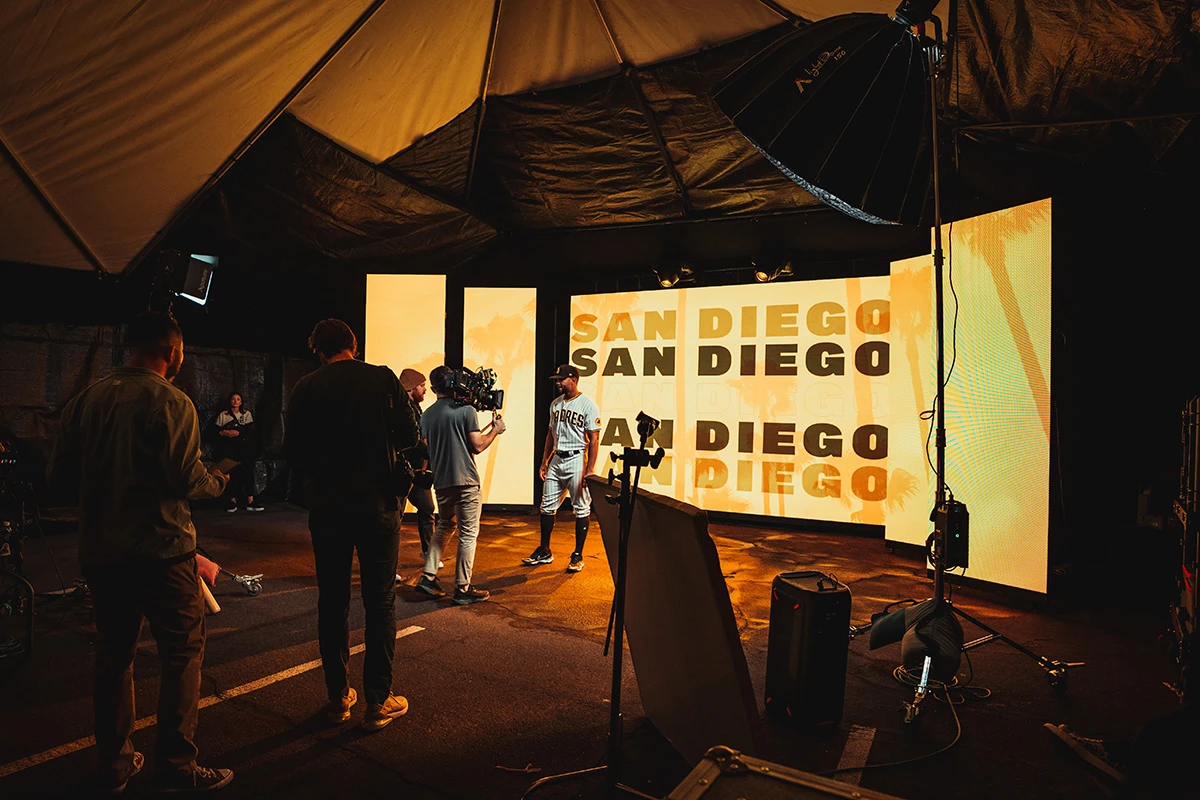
570, 421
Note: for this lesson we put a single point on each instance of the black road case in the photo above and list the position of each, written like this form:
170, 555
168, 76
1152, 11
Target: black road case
725, 774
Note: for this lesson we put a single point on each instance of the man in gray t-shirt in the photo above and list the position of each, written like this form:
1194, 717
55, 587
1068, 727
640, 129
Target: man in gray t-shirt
452, 430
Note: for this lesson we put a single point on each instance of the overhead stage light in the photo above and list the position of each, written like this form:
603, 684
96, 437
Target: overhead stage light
670, 276
766, 276
842, 107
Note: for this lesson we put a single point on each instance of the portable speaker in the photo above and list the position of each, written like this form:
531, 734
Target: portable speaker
807, 647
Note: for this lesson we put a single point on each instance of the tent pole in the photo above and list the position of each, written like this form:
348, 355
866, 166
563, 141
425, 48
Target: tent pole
631, 72
61, 218
195, 200
484, 80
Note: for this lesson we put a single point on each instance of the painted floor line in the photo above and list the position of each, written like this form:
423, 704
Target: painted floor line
855, 753
211, 700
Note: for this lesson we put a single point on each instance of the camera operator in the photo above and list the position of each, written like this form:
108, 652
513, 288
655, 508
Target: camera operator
341, 422
452, 430
129, 446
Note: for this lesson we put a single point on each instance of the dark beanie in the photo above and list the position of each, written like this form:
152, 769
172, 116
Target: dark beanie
410, 379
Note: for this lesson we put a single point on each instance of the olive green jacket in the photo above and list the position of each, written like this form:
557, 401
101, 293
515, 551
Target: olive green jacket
129, 446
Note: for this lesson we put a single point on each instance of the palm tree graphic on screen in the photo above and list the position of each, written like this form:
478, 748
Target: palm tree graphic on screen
503, 344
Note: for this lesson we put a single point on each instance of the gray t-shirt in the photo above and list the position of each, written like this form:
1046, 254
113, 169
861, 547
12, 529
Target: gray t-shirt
447, 426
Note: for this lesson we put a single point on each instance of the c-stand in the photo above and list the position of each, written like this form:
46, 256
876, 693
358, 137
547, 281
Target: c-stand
632, 459
944, 549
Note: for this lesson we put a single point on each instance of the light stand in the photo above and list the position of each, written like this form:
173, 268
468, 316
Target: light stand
1056, 671
632, 459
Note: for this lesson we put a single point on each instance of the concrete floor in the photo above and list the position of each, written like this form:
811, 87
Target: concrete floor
514, 689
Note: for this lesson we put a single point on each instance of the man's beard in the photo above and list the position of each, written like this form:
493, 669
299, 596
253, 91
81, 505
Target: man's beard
173, 367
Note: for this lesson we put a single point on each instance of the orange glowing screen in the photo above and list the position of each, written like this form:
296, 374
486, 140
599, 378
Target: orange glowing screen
803, 399
500, 333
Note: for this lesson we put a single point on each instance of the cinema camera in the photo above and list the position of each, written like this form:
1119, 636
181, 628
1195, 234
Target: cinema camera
475, 388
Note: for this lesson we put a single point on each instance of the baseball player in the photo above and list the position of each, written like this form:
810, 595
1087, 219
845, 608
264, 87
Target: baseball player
572, 444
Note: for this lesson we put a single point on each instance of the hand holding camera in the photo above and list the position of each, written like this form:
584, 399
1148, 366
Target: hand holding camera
498, 423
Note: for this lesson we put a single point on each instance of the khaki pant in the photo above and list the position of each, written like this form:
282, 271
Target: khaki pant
168, 596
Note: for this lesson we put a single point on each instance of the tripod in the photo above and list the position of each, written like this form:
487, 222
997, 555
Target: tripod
17, 594
938, 545
632, 459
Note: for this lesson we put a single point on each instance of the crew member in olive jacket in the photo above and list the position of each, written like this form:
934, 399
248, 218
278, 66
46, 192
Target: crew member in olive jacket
129, 445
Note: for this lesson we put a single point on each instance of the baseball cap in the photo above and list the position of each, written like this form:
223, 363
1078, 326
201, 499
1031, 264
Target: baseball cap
565, 371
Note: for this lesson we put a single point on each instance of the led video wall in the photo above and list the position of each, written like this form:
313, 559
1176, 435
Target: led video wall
406, 323
500, 333
803, 399
998, 403
406, 327
798, 399
772, 398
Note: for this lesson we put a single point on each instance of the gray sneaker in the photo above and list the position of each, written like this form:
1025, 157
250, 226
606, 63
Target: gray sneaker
201, 779
135, 767
576, 564
430, 586
466, 595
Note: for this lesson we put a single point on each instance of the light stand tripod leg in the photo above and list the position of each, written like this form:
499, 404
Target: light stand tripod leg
612, 769
1056, 671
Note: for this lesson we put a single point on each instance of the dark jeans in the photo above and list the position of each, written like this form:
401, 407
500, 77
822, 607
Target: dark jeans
376, 537
241, 482
422, 500
169, 597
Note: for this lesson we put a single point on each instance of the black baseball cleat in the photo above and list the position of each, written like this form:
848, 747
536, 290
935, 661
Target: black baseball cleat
576, 564
539, 556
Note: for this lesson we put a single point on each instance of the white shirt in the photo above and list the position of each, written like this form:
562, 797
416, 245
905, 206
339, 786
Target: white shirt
570, 421
242, 417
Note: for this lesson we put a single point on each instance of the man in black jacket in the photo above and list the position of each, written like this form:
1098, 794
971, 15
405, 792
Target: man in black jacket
344, 423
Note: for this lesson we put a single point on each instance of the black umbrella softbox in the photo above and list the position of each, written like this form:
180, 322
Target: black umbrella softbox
842, 108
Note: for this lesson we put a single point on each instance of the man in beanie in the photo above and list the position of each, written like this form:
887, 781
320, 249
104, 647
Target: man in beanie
572, 444
421, 495
343, 421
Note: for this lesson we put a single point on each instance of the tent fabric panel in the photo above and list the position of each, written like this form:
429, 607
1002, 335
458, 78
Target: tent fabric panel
723, 173
572, 157
29, 232
297, 193
122, 110
409, 71
542, 44
1060, 60
651, 31
440, 160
